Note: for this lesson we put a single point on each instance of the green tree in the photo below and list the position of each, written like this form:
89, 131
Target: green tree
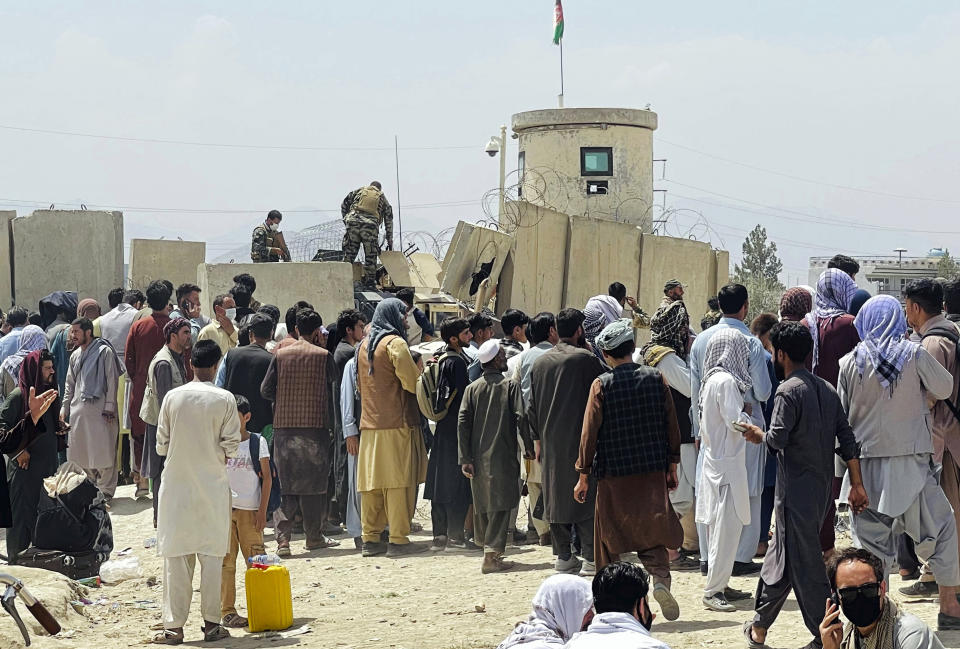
948, 266
759, 271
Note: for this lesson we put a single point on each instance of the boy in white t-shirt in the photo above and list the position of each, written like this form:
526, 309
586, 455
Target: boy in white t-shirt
249, 513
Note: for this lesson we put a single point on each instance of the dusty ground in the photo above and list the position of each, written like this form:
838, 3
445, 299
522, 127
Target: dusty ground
424, 602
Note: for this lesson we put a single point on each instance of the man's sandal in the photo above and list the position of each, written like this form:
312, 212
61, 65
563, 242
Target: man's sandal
234, 621
218, 632
168, 637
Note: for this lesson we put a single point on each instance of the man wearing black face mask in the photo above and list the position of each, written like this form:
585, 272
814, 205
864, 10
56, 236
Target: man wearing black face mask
875, 622
807, 423
623, 618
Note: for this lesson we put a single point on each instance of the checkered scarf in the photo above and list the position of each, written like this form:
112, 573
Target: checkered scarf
728, 351
795, 304
835, 290
670, 327
600, 311
882, 328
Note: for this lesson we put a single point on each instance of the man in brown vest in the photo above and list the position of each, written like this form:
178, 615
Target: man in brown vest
392, 461
300, 382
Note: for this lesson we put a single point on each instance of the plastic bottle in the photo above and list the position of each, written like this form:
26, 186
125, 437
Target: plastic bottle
150, 543
113, 572
264, 560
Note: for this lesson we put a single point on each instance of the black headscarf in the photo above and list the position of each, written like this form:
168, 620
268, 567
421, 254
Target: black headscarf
57, 302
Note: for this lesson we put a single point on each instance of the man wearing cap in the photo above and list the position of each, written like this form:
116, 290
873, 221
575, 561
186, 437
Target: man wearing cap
491, 417
363, 210
631, 443
167, 371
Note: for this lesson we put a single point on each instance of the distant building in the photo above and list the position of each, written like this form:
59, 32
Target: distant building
885, 275
595, 162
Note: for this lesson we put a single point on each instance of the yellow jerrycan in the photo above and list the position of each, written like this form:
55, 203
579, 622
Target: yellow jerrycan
269, 600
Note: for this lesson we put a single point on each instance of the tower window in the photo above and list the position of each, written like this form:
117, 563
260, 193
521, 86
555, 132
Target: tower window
596, 161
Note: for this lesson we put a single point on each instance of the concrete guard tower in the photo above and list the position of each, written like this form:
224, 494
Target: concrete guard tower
594, 162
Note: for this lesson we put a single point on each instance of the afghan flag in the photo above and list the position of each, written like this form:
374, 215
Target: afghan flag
557, 23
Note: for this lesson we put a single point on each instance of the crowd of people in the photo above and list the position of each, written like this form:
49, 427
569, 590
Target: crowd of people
695, 451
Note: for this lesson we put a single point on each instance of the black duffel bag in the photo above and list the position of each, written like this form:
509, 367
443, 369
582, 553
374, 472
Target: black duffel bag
76, 521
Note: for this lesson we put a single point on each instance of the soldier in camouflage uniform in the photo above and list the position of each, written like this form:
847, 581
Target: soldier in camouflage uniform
363, 210
263, 247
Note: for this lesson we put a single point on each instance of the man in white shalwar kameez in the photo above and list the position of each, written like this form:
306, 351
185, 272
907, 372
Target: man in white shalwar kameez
90, 405
735, 304
198, 429
723, 496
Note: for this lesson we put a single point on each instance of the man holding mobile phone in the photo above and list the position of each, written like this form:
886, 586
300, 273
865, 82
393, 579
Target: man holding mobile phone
858, 589
807, 423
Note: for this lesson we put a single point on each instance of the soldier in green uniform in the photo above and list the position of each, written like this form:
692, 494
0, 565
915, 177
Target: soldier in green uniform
267, 242
363, 210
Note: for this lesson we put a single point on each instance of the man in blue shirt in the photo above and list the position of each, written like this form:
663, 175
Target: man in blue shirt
734, 305
16, 318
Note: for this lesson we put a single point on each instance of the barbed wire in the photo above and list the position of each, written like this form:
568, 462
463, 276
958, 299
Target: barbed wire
541, 186
547, 187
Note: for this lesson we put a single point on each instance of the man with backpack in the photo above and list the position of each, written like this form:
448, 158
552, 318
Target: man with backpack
363, 210
447, 489
250, 513
939, 336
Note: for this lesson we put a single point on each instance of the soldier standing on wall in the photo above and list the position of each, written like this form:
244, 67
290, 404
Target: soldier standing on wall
363, 210
268, 243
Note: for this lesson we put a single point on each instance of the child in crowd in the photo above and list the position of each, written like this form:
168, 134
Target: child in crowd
250, 499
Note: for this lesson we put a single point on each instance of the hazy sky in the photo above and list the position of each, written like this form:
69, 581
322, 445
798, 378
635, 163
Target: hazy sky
855, 94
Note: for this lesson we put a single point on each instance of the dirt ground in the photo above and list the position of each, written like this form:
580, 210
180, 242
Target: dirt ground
429, 601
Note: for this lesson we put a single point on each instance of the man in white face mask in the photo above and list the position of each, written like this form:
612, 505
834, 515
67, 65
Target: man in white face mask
268, 243
222, 330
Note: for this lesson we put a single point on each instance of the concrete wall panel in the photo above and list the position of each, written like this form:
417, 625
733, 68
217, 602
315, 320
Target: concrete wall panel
152, 259
600, 253
67, 250
539, 253
327, 285
471, 246
694, 263
6, 266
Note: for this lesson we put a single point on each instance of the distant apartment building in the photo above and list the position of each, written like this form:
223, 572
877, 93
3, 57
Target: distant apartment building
885, 275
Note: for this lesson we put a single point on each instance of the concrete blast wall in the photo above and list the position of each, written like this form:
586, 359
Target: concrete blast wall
173, 260
560, 261
600, 253
533, 278
470, 247
702, 270
67, 250
6, 262
327, 285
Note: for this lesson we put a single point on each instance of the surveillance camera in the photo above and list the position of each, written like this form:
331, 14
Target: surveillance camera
493, 147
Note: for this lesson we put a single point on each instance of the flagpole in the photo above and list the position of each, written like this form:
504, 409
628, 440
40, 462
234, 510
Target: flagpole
561, 74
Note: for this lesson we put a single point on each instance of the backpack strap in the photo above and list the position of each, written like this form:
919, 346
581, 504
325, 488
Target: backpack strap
255, 454
953, 335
